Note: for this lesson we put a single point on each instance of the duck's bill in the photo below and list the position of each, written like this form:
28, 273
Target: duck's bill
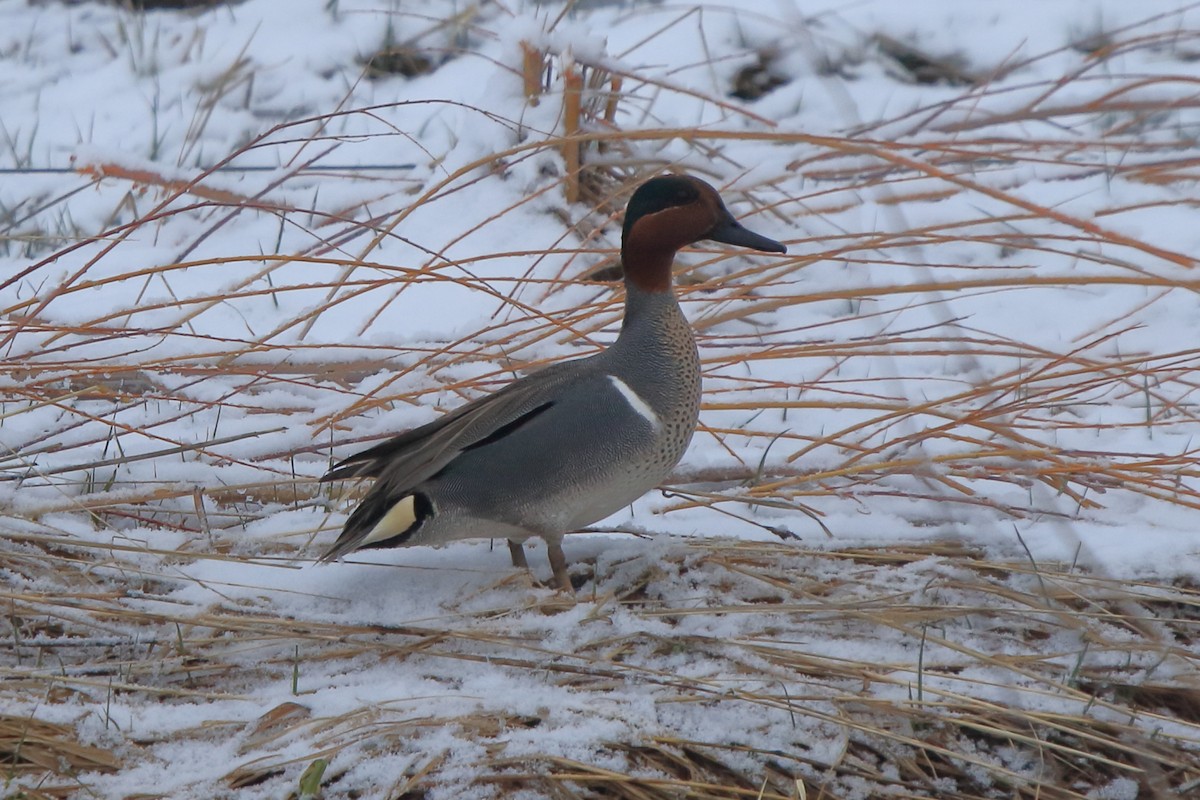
732, 232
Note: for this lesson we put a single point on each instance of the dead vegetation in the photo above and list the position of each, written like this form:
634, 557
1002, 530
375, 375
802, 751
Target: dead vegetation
984, 708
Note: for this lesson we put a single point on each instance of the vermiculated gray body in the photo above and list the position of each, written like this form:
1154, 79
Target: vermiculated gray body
591, 452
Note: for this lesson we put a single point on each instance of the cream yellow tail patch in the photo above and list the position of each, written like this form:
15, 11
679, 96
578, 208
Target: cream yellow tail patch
396, 521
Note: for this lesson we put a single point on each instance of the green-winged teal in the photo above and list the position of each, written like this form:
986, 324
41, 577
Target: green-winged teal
570, 444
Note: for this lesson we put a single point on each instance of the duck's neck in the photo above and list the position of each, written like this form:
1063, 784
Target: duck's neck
648, 314
657, 353
652, 313
648, 268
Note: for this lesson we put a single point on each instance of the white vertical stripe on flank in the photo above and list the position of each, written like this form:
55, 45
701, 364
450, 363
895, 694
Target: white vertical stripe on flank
635, 402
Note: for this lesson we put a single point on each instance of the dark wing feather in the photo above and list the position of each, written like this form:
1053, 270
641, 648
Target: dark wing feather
372, 462
367, 463
423, 451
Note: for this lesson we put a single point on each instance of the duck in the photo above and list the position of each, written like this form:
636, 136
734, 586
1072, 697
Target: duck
570, 444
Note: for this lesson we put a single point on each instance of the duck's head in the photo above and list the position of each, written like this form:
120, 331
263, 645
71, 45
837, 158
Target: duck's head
670, 212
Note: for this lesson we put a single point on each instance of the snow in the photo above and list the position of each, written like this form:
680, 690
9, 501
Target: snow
984, 283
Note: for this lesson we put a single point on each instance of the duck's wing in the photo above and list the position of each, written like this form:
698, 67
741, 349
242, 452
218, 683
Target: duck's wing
403, 462
415, 455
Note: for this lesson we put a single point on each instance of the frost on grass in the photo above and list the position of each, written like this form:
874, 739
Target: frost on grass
719, 663
968, 388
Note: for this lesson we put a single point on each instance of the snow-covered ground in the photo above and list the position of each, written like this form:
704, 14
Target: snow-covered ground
230, 253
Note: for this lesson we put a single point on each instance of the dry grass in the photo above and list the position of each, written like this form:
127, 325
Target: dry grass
1118, 703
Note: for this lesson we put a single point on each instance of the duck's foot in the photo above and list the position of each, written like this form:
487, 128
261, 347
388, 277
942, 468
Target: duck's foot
580, 579
558, 563
517, 551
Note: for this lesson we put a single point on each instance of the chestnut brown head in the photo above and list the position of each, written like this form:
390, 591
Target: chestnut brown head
671, 212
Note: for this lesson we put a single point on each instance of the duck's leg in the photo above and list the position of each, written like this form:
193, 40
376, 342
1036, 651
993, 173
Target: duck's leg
558, 563
517, 551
